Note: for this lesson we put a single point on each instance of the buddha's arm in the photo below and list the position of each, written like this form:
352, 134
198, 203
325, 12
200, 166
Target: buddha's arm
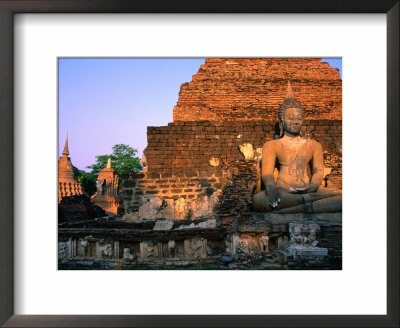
268, 164
317, 167
267, 173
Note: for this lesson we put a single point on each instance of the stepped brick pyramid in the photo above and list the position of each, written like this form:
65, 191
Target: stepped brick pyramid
232, 101
253, 89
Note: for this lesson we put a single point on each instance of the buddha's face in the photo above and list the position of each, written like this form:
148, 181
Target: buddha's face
293, 120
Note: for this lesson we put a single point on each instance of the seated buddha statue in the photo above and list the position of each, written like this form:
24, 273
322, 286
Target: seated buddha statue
295, 190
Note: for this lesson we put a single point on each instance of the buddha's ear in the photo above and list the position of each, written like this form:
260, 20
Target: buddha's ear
281, 129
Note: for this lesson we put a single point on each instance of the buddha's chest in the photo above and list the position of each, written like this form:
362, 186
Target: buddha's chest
294, 156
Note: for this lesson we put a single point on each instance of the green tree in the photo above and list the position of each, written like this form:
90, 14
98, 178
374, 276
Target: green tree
123, 160
87, 180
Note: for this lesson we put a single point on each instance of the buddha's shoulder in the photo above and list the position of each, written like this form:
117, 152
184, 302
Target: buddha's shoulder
281, 142
271, 143
313, 143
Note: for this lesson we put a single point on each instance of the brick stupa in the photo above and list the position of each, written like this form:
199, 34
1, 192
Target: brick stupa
106, 196
67, 185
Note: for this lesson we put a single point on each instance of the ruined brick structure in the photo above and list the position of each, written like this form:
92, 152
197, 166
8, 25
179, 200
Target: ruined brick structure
107, 190
193, 201
191, 145
229, 104
253, 89
67, 185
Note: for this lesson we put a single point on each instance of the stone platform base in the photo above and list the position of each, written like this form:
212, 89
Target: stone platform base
269, 241
269, 222
299, 252
299, 239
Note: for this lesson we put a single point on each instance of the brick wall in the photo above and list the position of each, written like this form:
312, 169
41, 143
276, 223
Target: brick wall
189, 146
331, 238
189, 163
253, 89
190, 187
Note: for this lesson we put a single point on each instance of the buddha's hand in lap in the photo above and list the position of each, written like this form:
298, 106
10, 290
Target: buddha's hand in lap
312, 187
273, 195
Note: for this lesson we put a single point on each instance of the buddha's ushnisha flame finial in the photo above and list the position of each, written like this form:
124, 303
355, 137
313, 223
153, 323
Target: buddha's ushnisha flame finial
66, 151
289, 91
109, 163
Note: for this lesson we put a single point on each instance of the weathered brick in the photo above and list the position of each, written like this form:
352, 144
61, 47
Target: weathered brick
129, 183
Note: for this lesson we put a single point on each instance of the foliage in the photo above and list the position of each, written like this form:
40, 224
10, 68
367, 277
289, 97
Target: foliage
123, 160
87, 180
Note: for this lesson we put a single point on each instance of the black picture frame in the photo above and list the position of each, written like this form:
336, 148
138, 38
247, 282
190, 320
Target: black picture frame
10, 7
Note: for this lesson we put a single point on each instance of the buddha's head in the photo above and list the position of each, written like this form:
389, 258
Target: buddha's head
290, 114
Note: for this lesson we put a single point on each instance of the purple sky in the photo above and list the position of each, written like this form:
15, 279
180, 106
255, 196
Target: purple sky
106, 101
